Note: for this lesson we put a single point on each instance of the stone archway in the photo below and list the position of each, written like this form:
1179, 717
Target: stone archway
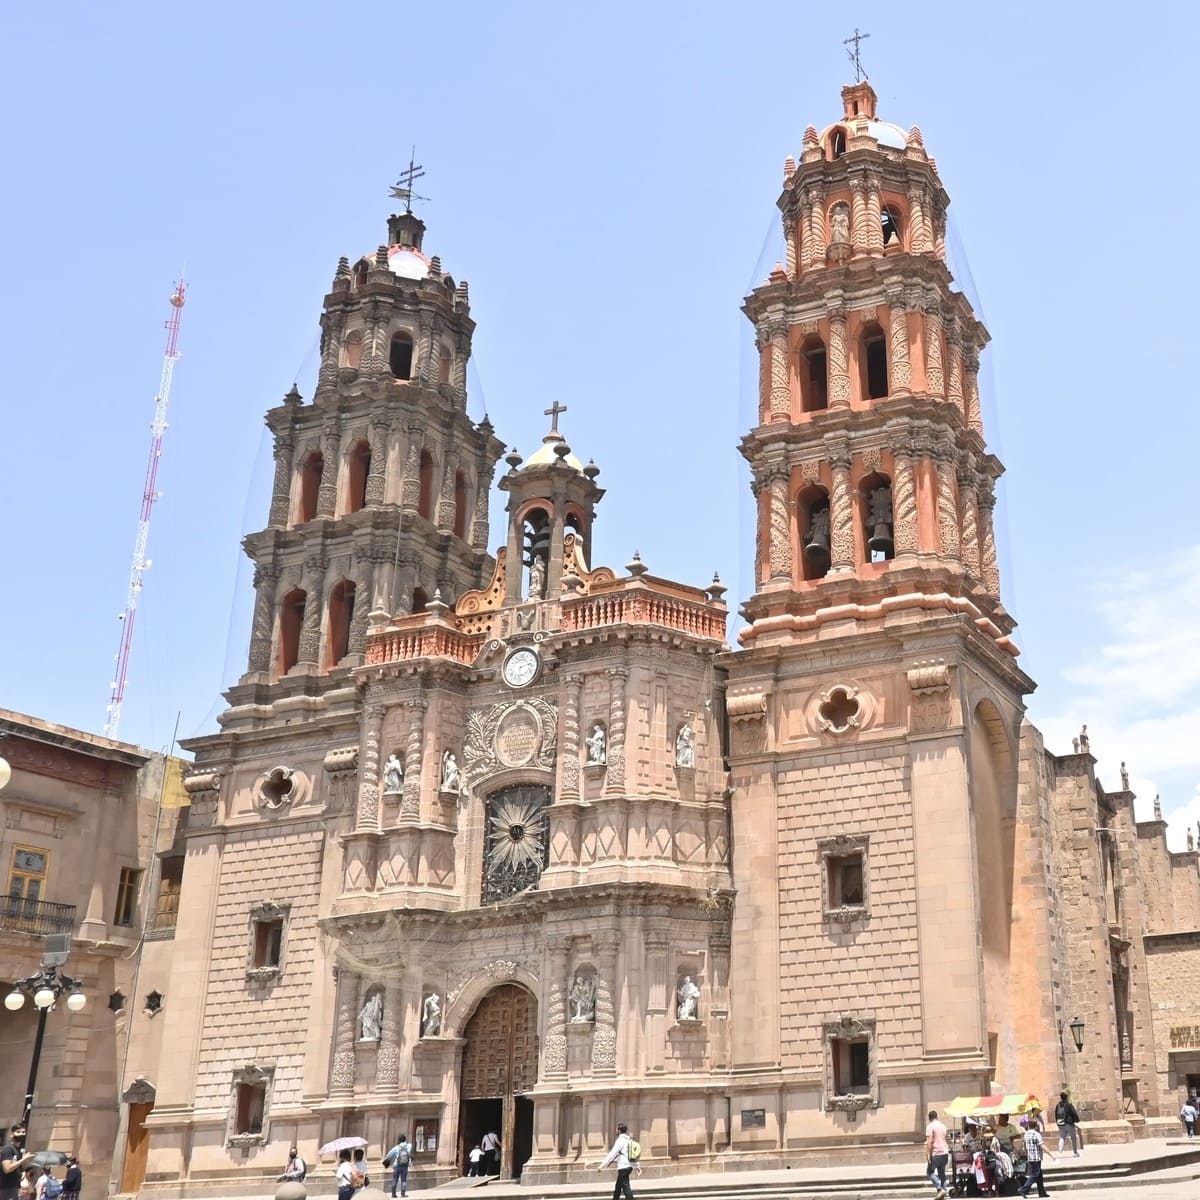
499, 1065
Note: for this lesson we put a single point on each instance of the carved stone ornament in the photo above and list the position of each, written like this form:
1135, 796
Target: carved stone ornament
202, 781
499, 970
849, 1028
343, 760
276, 789
840, 710
520, 733
929, 676
747, 707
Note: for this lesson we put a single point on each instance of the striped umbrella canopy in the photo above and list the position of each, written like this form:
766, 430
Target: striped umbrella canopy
1014, 1103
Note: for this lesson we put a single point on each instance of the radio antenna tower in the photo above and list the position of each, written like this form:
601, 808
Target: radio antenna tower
141, 564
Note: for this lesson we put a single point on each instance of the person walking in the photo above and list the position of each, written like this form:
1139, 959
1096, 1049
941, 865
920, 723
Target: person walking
13, 1160
72, 1180
1066, 1117
1187, 1114
619, 1154
474, 1159
296, 1168
360, 1165
490, 1145
937, 1154
1035, 1147
398, 1158
345, 1176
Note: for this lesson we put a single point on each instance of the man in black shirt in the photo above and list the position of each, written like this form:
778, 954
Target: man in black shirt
73, 1180
13, 1160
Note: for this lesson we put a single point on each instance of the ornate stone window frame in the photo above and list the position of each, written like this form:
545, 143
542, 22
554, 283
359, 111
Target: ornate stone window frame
254, 1076
267, 911
849, 1027
829, 850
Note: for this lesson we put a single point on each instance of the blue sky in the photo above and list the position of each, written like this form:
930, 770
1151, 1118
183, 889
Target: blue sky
605, 178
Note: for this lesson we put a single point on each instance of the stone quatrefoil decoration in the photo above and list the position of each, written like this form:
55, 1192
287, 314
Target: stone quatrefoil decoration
840, 710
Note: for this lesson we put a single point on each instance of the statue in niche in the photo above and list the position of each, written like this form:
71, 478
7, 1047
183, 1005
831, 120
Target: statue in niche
583, 998
393, 775
685, 747
687, 994
431, 1016
370, 1019
1124, 778
839, 224
597, 746
450, 776
537, 579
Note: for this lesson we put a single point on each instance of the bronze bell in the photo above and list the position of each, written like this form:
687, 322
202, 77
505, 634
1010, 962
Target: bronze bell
816, 549
881, 540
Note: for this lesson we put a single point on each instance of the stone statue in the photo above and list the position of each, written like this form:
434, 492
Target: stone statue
583, 998
1157, 808
537, 579
685, 747
1124, 778
1191, 843
839, 223
1075, 745
1083, 741
687, 993
597, 746
370, 1020
450, 778
393, 776
431, 1016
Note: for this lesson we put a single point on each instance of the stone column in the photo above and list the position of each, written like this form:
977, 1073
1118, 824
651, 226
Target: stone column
841, 505
858, 214
604, 1037
569, 757
410, 799
377, 475
265, 578
426, 371
954, 385
387, 1062
779, 523
309, 650
657, 944
718, 1009
971, 405
899, 367
920, 241
281, 489
762, 343
790, 233
614, 779
479, 518
364, 597
839, 361
988, 568
331, 350
367, 818
947, 502
816, 218
554, 1054
781, 387
331, 440
410, 487
874, 218
341, 1081
968, 503
462, 353
374, 360
934, 373
444, 517
904, 491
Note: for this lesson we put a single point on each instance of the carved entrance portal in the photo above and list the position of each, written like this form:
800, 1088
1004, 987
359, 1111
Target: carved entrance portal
499, 1065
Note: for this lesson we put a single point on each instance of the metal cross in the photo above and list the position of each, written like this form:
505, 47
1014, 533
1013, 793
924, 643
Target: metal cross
855, 55
552, 412
402, 188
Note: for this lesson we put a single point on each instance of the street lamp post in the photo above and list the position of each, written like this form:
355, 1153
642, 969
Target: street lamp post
45, 988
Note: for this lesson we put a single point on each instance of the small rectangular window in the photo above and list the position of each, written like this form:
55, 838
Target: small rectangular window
851, 1066
170, 885
251, 1104
127, 894
845, 880
268, 943
27, 878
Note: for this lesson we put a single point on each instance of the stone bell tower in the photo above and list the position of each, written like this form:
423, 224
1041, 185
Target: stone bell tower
380, 497
876, 704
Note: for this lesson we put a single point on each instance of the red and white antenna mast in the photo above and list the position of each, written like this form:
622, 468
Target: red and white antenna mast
149, 495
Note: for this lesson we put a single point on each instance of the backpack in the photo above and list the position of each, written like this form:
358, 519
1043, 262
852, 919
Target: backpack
402, 1154
52, 1188
357, 1178
633, 1151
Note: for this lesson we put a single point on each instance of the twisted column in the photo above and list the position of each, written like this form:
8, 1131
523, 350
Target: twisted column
791, 232
367, 817
445, 506
426, 371
841, 506
377, 475
410, 799
614, 780
920, 239
341, 1080
332, 325
935, 379
971, 404
780, 537
363, 594
331, 440
781, 390
816, 218
554, 1053
387, 1062
839, 361
458, 375
374, 361
262, 624
968, 502
899, 366
604, 1037
988, 568
569, 757
954, 383
410, 487
904, 492
479, 518
309, 650
874, 218
281, 489
858, 214
762, 343
947, 502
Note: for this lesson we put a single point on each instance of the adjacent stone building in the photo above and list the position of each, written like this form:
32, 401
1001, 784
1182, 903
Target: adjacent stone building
520, 843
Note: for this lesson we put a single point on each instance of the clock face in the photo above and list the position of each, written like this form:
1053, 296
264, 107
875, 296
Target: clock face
521, 667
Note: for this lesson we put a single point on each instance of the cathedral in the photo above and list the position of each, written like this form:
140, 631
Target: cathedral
515, 842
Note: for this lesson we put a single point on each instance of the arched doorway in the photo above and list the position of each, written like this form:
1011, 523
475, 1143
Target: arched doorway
499, 1065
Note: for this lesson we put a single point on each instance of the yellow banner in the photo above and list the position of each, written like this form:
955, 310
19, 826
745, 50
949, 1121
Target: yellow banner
173, 794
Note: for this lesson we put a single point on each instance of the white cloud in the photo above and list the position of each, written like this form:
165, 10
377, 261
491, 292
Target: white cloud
1139, 689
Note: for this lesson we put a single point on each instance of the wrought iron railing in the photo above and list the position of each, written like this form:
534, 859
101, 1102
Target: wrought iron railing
36, 916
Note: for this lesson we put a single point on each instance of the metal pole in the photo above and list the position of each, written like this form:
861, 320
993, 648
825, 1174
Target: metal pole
33, 1070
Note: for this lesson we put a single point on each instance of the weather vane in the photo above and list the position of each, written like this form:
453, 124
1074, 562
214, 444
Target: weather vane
402, 189
855, 55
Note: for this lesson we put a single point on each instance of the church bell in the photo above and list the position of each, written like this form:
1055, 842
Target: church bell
881, 540
816, 549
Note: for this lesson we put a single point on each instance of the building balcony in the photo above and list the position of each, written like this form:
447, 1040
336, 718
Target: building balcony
35, 916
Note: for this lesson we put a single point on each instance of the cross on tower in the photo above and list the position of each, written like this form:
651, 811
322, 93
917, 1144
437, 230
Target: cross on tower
552, 412
855, 54
402, 188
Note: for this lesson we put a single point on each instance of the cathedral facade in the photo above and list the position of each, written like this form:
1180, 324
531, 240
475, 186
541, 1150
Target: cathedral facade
520, 844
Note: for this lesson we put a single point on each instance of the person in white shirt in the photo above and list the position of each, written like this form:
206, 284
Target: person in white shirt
476, 1157
619, 1154
345, 1176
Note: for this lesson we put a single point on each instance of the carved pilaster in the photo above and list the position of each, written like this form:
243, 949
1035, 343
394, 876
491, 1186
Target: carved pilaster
781, 390
780, 532
363, 596
426, 361
570, 737
341, 1081
265, 578
858, 214
604, 1037
954, 382
377, 475
376, 322
874, 218
554, 1054
935, 380
367, 819
332, 325
899, 366
841, 505
904, 492
479, 519
839, 361
920, 239
387, 1062
281, 489
968, 503
762, 343
988, 567
947, 500
446, 509
309, 650
410, 800
410, 487
458, 374
331, 440
816, 226
657, 944
614, 780
971, 405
